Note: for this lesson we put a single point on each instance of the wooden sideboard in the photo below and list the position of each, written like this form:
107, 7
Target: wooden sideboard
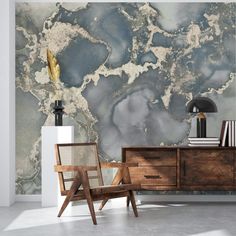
182, 168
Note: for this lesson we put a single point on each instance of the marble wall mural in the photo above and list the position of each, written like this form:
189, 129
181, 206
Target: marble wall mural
127, 72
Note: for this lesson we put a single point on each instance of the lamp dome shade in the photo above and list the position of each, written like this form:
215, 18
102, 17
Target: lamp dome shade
201, 104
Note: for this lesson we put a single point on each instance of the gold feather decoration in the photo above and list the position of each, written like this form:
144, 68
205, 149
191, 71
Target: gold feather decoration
53, 66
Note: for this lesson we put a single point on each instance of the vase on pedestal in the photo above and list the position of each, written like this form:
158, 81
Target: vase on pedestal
58, 111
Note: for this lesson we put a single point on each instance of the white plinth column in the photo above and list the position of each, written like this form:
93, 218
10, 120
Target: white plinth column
50, 186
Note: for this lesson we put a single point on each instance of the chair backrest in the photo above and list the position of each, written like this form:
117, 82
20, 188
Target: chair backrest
78, 154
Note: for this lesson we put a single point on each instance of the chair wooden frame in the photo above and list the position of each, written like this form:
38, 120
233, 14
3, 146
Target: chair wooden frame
121, 185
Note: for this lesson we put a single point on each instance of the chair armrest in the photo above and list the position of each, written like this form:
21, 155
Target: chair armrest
81, 177
117, 165
68, 168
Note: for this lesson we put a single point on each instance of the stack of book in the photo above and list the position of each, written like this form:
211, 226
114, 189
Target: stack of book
204, 142
228, 133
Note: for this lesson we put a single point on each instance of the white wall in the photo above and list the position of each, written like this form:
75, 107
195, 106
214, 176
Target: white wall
7, 103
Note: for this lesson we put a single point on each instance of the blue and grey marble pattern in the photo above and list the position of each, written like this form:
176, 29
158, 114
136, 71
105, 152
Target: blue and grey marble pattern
127, 72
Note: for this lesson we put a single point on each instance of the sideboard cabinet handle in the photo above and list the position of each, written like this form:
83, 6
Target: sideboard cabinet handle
155, 157
152, 176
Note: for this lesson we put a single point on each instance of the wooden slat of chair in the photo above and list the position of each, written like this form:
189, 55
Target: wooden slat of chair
114, 188
69, 179
79, 195
72, 179
69, 168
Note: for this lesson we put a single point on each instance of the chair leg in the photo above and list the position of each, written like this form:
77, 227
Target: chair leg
90, 205
127, 201
64, 205
132, 199
103, 203
75, 185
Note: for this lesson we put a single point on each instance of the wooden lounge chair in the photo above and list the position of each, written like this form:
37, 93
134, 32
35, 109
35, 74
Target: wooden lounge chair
80, 177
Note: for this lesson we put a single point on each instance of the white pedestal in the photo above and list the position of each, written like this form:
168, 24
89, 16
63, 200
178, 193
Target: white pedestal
50, 186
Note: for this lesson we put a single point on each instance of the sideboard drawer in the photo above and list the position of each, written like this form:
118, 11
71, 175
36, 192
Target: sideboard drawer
162, 175
150, 158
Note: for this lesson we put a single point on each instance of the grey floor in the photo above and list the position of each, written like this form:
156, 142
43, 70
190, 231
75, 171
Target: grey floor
198, 219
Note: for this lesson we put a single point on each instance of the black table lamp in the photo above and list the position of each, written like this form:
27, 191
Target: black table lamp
201, 105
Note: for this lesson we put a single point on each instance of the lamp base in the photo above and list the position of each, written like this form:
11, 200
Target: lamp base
201, 126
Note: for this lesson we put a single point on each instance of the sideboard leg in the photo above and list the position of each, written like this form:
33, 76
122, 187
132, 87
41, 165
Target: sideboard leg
127, 202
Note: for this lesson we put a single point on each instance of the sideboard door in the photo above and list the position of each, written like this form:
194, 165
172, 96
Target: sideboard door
206, 169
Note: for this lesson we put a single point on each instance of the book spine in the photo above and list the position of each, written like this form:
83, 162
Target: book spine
203, 139
223, 144
214, 142
203, 145
233, 133
230, 134
222, 131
